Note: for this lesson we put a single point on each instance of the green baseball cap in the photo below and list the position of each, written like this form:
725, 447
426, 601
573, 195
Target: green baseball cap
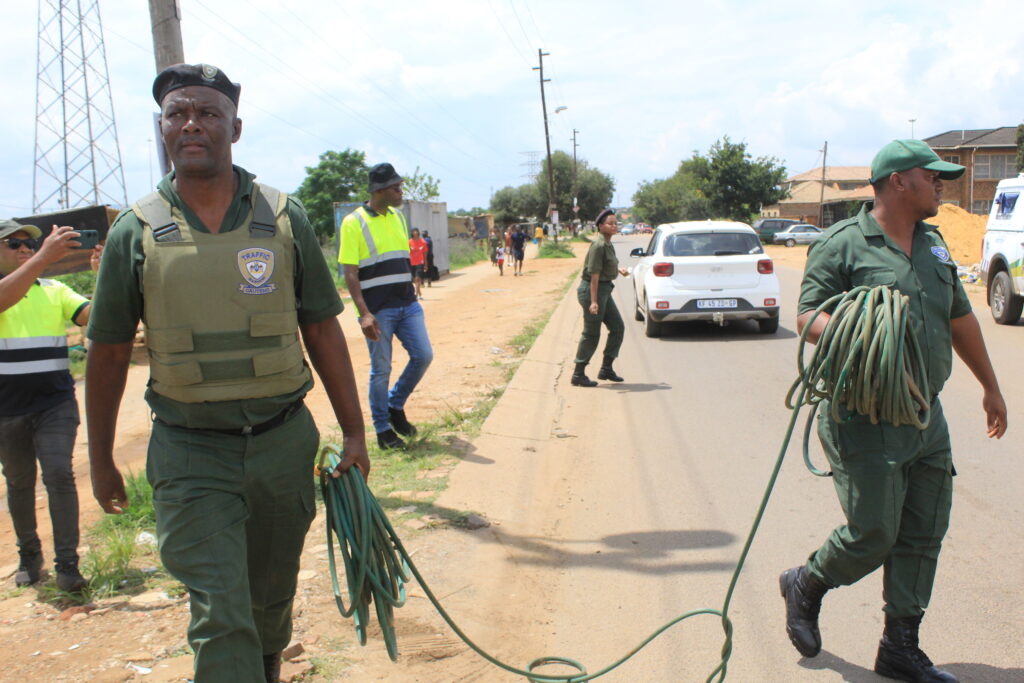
903, 155
9, 227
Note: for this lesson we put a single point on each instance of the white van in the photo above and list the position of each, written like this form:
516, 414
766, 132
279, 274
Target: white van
1002, 253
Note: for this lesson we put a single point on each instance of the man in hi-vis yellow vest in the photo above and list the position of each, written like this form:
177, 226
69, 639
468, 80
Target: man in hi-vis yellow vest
225, 273
38, 410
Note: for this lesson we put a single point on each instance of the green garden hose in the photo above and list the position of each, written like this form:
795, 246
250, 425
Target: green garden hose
867, 361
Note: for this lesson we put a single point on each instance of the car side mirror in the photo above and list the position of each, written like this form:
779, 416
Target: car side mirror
639, 251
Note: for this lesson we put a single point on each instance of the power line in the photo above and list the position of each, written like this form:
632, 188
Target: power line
507, 34
522, 28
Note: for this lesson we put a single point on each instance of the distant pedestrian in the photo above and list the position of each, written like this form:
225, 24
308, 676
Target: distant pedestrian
538, 235
501, 260
494, 241
508, 244
431, 268
418, 260
595, 296
518, 250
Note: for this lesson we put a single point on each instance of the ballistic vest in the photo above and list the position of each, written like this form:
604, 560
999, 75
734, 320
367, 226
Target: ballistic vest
219, 309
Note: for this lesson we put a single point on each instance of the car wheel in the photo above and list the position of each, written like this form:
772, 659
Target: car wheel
768, 325
652, 328
790, 243
1006, 307
638, 315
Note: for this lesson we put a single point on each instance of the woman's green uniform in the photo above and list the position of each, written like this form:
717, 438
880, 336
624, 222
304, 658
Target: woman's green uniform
601, 259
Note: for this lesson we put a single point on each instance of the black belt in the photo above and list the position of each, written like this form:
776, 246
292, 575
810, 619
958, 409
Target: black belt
251, 430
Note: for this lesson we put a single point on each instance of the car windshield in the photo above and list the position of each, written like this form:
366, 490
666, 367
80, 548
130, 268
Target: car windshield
712, 244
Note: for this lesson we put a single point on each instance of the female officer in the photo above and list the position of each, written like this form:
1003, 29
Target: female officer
595, 296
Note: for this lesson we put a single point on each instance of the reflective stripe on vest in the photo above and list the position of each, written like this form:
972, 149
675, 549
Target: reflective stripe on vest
25, 355
376, 258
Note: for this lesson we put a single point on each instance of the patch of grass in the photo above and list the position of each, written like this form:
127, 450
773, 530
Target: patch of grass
464, 252
550, 249
84, 282
77, 358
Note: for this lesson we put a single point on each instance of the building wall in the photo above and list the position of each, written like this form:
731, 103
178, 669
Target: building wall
959, 191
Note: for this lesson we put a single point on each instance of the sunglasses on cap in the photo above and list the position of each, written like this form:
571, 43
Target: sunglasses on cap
15, 243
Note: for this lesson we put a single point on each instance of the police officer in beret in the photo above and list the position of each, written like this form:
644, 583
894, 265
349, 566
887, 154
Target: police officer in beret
225, 274
895, 484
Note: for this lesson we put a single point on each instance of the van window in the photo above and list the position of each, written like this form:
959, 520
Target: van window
1005, 204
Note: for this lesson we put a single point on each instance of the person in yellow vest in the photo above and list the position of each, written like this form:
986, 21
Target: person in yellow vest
374, 255
226, 274
38, 410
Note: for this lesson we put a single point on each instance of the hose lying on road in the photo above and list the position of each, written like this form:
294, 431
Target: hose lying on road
867, 361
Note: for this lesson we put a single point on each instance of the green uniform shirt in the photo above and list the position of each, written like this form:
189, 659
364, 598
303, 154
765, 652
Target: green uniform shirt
118, 301
601, 259
858, 252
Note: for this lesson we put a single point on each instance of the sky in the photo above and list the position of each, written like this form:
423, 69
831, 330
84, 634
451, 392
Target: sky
448, 86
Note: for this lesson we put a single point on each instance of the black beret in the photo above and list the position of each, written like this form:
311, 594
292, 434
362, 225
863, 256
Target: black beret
383, 175
601, 216
184, 75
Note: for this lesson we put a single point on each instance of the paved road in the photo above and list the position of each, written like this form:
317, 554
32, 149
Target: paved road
642, 499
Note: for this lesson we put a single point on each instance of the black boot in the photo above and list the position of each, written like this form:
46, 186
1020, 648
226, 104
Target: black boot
803, 593
272, 667
900, 658
69, 579
579, 379
606, 371
388, 440
29, 568
400, 423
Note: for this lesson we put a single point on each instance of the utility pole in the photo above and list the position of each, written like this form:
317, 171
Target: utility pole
911, 121
165, 20
821, 199
547, 139
575, 185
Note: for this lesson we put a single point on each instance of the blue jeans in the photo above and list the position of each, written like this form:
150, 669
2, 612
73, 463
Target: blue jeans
406, 323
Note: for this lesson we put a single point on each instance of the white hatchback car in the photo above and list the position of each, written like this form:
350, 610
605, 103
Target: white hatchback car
705, 270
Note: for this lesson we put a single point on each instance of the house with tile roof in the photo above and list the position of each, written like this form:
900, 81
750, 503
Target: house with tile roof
990, 154
844, 188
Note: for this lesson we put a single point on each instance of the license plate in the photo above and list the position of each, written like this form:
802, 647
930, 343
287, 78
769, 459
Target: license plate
716, 303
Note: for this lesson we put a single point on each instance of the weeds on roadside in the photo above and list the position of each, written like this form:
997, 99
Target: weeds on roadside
550, 249
464, 252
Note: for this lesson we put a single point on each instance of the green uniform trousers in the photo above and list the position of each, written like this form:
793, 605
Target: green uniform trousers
895, 485
607, 313
232, 514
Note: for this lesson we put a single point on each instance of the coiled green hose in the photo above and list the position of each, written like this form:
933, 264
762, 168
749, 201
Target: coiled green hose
867, 361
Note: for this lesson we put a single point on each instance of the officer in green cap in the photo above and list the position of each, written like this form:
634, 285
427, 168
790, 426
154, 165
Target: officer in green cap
895, 484
225, 274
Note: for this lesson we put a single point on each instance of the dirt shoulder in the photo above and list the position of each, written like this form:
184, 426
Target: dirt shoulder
472, 315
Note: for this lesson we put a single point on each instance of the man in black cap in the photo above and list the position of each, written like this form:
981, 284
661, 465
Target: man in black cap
225, 274
374, 254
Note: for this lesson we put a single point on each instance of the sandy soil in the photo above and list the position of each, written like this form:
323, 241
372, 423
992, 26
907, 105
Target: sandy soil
471, 315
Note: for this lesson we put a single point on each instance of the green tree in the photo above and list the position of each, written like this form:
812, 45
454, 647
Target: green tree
338, 177
737, 185
420, 186
593, 188
460, 213
727, 183
516, 204
1020, 148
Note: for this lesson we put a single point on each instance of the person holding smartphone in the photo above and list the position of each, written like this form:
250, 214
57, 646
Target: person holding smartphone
38, 411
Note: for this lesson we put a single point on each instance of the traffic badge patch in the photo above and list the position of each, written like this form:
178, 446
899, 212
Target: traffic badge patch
257, 267
942, 254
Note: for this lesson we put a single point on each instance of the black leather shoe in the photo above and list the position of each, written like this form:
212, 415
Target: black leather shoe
400, 423
607, 373
388, 439
29, 569
581, 380
69, 579
803, 593
272, 667
899, 656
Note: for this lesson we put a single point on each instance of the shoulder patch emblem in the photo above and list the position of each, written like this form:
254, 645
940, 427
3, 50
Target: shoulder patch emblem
257, 267
942, 254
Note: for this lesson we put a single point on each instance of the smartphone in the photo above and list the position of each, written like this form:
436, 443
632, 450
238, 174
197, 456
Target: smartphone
87, 239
